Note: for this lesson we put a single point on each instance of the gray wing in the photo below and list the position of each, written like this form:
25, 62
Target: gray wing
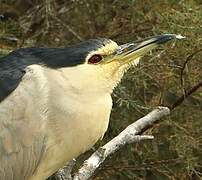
22, 134
20, 151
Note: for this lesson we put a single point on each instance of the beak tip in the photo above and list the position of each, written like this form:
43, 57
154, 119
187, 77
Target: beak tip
167, 37
129, 48
179, 36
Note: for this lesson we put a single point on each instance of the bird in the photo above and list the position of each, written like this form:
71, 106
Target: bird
55, 103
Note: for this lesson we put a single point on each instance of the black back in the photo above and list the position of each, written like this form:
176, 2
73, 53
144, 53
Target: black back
12, 66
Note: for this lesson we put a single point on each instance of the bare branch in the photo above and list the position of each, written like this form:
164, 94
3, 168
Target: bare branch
65, 172
102, 153
127, 136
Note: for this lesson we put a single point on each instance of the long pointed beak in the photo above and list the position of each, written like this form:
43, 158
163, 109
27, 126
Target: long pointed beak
131, 51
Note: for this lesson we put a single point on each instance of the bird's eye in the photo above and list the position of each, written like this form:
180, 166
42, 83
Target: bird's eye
95, 59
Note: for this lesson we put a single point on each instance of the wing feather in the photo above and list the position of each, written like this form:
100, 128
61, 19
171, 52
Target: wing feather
19, 159
22, 122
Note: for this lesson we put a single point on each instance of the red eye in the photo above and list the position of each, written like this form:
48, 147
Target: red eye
95, 59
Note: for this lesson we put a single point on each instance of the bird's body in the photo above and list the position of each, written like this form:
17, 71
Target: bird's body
55, 104
60, 122
52, 116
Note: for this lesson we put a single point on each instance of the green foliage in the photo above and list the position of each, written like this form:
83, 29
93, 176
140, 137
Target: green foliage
176, 152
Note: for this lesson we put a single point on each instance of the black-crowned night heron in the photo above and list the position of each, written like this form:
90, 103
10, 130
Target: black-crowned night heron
55, 103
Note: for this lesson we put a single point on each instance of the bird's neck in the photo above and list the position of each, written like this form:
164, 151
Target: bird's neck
90, 80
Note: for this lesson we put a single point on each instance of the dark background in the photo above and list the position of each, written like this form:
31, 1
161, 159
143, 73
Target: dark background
162, 76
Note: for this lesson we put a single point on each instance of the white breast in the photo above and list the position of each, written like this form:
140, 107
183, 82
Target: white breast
76, 121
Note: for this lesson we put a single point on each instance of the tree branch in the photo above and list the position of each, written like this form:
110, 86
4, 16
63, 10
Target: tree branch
65, 172
127, 136
184, 96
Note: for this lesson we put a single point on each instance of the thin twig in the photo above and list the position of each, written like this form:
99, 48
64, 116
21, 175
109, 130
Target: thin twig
184, 96
68, 28
48, 12
189, 58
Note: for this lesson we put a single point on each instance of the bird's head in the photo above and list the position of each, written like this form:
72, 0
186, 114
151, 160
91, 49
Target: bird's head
102, 62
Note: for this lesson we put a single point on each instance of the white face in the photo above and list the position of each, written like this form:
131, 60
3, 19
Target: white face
98, 74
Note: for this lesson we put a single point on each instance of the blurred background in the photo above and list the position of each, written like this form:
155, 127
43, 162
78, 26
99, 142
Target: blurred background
161, 77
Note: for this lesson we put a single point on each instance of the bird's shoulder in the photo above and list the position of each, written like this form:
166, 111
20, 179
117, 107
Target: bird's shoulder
13, 66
